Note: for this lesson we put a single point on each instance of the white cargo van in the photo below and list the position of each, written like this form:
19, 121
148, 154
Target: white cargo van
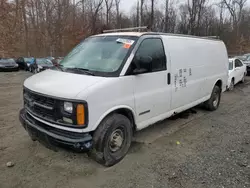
114, 84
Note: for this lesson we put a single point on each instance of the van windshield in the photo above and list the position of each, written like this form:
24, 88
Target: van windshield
101, 55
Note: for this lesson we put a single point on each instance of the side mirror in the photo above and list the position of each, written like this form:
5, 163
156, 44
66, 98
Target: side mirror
139, 71
142, 64
145, 60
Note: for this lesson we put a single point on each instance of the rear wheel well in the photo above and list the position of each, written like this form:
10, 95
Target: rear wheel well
219, 84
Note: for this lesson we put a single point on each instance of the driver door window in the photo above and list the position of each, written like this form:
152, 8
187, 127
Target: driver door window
154, 49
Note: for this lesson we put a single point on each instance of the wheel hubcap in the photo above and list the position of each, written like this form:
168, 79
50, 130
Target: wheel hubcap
116, 140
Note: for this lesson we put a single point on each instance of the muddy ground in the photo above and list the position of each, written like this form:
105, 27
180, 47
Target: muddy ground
213, 150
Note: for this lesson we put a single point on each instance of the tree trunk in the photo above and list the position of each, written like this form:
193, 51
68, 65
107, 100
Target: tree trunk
166, 17
25, 27
117, 6
138, 15
152, 14
142, 18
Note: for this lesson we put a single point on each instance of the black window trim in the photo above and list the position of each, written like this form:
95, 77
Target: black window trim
239, 61
140, 42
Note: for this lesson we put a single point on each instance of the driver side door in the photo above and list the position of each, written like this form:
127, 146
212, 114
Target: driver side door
152, 90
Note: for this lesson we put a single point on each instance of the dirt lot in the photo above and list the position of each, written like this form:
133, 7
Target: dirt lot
213, 150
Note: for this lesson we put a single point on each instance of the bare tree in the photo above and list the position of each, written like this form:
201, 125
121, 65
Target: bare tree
235, 8
166, 16
142, 15
152, 14
108, 4
53, 27
195, 8
25, 26
117, 7
138, 14
96, 6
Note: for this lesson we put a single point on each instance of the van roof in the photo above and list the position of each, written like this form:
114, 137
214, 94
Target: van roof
138, 34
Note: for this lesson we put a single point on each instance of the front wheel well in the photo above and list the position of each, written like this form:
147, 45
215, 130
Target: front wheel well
128, 113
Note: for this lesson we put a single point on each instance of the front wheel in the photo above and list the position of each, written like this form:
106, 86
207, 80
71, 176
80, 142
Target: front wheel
231, 86
213, 103
243, 78
112, 140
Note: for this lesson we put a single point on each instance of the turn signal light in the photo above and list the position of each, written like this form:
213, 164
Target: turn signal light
80, 112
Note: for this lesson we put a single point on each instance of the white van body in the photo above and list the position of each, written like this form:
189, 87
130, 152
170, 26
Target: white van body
194, 66
205, 58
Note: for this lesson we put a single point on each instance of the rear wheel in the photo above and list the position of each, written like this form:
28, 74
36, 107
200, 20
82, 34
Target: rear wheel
243, 78
214, 101
112, 140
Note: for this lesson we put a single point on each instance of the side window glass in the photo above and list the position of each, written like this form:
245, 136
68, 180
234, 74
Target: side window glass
153, 49
238, 63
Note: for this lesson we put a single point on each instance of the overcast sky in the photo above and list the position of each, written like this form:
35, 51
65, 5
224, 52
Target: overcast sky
126, 5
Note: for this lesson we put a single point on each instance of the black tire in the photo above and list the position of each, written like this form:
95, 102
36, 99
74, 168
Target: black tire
26, 68
231, 86
243, 78
211, 105
103, 140
34, 71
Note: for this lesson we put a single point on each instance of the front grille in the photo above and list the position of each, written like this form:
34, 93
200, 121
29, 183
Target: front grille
40, 105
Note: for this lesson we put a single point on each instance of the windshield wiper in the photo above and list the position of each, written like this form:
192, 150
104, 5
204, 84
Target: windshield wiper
82, 70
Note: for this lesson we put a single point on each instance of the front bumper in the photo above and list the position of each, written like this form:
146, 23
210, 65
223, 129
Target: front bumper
51, 135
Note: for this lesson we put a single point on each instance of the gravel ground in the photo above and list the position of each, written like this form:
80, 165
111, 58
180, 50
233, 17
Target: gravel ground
197, 149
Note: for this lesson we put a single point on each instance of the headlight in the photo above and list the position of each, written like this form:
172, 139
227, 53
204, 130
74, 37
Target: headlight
68, 107
39, 66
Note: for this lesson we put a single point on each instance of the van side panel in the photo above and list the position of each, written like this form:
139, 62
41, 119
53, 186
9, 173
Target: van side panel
196, 65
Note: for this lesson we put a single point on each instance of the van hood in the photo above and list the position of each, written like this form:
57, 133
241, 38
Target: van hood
60, 84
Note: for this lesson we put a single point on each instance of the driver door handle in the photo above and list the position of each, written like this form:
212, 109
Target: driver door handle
169, 78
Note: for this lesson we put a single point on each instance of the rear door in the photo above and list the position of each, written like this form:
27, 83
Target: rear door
152, 91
